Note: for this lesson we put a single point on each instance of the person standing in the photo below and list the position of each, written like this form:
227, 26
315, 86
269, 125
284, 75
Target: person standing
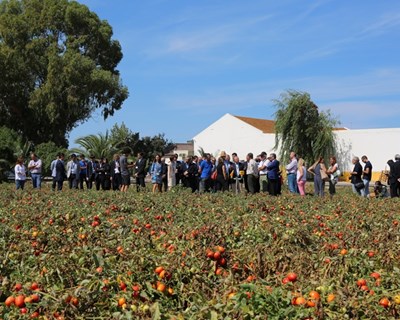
355, 176
263, 171
35, 167
156, 174
171, 172
192, 174
301, 177
237, 175
91, 171
367, 175
115, 173
125, 176
83, 172
58, 172
140, 172
73, 172
20, 173
273, 175
394, 176
291, 170
333, 172
221, 184
205, 170
252, 173
318, 169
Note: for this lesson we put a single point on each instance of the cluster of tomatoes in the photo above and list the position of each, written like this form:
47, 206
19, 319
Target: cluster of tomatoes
23, 301
219, 256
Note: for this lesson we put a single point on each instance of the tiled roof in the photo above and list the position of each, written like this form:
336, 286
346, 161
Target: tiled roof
266, 126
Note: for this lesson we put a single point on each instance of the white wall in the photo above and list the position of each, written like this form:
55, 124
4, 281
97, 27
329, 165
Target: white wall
379, 145
230, 134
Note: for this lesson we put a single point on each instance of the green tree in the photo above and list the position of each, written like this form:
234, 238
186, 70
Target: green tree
99, 145
58, 65
302, 128
157, 144
47, 152
122, 137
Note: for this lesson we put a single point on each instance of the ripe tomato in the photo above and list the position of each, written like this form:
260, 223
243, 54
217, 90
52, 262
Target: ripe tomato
158, 270
121, 301
361, 282
314, 295
10, 301
375, 275
18, 287
34, 286
217, 255
300, 301
292, 277
20, 301
331, 297
384, 302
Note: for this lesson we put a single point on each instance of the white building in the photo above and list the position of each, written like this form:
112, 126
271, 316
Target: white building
243, 135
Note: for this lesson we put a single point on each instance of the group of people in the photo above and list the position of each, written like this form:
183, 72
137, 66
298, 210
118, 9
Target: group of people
262, 173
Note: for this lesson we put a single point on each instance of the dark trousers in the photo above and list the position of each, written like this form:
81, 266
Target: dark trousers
395, 189
193, 183
100, 179
90, 181
252, 182
273, 187
116, 181
140, 184
82, 178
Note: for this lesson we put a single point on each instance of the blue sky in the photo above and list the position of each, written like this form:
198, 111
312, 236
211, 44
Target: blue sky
187, 63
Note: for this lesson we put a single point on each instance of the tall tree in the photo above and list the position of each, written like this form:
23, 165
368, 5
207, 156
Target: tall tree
58, 65
302, 128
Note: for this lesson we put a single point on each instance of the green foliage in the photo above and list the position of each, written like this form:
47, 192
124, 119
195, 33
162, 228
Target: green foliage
151, 146
99, 145
47, 152
302, 128
58, 65
122, 137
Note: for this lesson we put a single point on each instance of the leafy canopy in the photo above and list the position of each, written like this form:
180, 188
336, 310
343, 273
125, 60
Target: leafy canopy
58, 65
302, 128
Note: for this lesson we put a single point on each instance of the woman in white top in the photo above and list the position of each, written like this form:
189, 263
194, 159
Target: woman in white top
334, 172
301, 176
171, 174
20, 173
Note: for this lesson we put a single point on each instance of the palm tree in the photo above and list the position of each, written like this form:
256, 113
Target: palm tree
98, 145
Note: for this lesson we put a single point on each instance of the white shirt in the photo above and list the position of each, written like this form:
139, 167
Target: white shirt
20, 172
116, 169
37, 164
262, 164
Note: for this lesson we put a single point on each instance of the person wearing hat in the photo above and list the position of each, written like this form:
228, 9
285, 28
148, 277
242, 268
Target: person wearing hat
73, 172
394, 176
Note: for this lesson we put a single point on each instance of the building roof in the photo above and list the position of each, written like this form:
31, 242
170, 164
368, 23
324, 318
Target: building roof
266, 126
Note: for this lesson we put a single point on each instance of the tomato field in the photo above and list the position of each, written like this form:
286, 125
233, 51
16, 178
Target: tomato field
177, 255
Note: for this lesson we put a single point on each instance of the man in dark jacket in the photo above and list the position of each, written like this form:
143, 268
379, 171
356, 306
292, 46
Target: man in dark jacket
91, 171
140, 172
394, 176
60, 173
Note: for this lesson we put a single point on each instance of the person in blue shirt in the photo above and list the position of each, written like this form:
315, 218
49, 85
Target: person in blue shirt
83, 172
205, 171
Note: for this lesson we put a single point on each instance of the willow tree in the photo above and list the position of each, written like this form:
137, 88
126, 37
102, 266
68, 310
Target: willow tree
58, 65
301, 127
